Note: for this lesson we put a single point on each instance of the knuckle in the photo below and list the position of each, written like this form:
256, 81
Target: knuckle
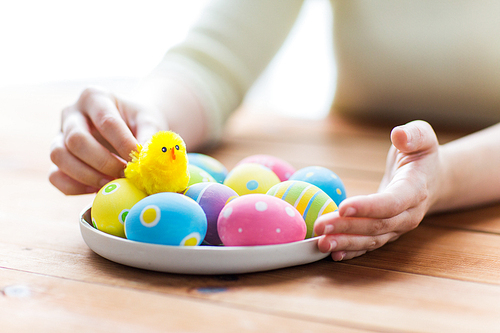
379, 226
349, 243
399, 205
374, 243
423, 126
105, 121
90, 93
90, 98
56, 155
75, 140
413, 223
409, 221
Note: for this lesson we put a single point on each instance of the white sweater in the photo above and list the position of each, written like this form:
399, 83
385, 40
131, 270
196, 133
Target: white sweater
396, 59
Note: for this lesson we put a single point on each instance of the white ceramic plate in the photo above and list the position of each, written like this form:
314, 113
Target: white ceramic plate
198, 259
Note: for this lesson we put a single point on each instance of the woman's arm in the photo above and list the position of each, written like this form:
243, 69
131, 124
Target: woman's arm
192, 91
472, 171
222, 55
421, 177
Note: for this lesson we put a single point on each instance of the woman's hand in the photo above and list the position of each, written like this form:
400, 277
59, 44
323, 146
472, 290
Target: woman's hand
408, 189
98, 133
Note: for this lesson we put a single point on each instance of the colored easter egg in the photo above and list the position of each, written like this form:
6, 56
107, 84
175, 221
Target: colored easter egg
307, 198
259, 219
212, 197
215, 168
198, 175
251, 178
166, 218
112, 204
323, 178
280, 167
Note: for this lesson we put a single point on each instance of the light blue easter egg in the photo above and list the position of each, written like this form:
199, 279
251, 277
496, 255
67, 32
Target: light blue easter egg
323, 178
166, 218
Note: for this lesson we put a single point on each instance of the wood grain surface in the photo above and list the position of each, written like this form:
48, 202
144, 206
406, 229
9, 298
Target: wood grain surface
443, 276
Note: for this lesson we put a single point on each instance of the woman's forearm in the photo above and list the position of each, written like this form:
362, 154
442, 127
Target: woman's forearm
471, 171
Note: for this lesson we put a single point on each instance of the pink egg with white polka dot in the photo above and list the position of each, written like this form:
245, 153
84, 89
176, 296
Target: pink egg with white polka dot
280, 167
260, 219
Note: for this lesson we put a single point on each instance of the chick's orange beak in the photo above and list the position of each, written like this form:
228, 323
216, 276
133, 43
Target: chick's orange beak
172, 153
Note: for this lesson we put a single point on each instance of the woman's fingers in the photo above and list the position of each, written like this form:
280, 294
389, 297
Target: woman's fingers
101, 108
345, 255
96, 139
401, 193
73, 167
364, 223
68, 185
144, 124
332, 223
81, 144
414, 137
355, 243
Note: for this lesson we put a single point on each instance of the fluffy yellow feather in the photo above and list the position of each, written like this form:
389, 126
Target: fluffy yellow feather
160, 165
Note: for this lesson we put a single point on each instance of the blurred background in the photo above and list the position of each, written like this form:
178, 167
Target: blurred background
114, 43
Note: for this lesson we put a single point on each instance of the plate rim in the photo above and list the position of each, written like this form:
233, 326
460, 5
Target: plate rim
151, 256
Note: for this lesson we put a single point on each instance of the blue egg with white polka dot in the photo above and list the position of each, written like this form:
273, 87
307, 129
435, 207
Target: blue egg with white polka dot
166, 218
325, 179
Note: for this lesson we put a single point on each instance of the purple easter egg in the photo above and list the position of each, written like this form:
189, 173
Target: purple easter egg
212, 197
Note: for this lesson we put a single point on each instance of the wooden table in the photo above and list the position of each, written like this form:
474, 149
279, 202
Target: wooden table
442, 277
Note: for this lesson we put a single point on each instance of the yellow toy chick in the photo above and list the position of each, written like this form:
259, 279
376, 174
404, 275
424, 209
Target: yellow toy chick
160, 165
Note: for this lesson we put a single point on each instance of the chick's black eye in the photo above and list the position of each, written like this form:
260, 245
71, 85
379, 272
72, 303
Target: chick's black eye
164, 149
177, 147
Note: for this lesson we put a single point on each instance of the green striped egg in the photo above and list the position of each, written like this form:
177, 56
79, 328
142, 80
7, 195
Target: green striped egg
308, 199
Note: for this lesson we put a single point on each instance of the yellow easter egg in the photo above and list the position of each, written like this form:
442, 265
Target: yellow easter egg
112, 204
308, 199
251, 178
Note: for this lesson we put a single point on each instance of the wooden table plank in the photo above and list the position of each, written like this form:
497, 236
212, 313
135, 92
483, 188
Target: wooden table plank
56, 228
430, 250
484, 219
38, 303
440, 251
342, 294
277, 128
443, 276
304, 143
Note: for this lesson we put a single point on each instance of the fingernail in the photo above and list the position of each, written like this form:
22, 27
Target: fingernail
408, 135
333, 245
351, 211
342, 255
328, 229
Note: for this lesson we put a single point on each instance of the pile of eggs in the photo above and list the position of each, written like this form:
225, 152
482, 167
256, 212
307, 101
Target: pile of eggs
263, 200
